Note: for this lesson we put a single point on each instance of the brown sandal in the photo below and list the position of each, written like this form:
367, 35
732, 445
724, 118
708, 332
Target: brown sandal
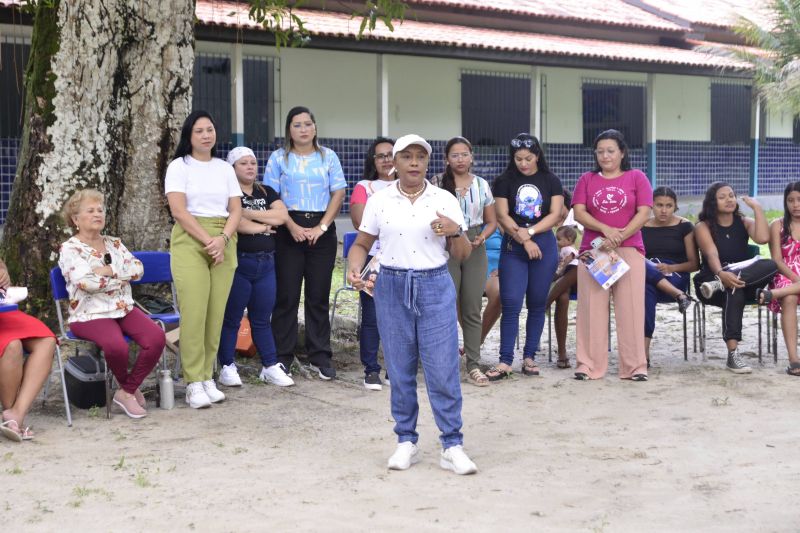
496, 374
529, 367
477, 378
563, 363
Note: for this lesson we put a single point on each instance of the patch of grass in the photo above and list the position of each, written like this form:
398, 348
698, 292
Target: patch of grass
14, 471
94, 411
720, 402
142, 480
120, 465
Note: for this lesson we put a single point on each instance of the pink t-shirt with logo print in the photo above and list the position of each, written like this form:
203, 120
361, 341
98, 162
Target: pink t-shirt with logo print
613, 202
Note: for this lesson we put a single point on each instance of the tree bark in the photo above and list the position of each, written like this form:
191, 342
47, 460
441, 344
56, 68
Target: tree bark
108, 86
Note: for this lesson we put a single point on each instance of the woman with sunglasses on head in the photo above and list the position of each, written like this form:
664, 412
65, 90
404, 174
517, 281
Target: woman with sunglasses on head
310, 181
612, 202
377, 176
98, 270
529, 199
420, 227
469, 275
204, 198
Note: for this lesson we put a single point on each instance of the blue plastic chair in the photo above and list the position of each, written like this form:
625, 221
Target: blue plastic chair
157, 270
59, 287
347, 243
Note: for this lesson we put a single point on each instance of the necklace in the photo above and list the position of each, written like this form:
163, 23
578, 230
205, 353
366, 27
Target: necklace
410, 195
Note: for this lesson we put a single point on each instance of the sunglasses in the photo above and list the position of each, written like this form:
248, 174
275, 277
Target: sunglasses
107, 258
523, 143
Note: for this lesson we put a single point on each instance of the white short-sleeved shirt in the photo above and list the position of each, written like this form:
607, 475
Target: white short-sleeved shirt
208, 185
404, 229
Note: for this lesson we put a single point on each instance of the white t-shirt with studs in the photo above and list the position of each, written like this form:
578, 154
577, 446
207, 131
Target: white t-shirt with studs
404, 229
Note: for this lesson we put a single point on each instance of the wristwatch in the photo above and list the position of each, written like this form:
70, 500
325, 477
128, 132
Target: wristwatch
459, 233
531, 231
323, 227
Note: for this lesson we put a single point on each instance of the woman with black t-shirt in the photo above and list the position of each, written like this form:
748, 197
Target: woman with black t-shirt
672, 256
528, 200
254, 281
722, 234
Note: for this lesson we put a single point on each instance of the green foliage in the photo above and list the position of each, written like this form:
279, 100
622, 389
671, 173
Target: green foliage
280, 18
777, 64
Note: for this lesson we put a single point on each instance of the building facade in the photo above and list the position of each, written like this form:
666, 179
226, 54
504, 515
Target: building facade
561, 69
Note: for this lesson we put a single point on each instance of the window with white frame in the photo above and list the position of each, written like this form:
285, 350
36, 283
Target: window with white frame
613, 104
258, 76
495, 106
14, 53
211, 91
731, 107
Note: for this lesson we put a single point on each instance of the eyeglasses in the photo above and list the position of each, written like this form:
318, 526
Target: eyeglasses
463, 155
526, 143
107, 258
383, 157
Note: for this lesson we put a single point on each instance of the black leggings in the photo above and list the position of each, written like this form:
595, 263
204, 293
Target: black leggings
756, 276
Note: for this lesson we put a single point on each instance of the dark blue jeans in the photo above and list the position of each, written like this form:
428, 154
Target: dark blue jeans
417, 320
370, 338
652, 295
254, 288
521, 278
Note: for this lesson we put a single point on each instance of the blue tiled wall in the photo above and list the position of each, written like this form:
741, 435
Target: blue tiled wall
687, 167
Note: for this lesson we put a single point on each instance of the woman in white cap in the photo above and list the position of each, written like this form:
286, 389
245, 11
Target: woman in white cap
254, 280
419, 226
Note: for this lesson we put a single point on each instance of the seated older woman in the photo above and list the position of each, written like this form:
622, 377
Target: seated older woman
98, 270
21, 380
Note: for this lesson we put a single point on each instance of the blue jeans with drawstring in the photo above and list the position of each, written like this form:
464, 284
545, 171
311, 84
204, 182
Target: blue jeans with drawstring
416, 312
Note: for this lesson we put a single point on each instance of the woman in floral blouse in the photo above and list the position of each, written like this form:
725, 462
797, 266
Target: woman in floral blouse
98, 270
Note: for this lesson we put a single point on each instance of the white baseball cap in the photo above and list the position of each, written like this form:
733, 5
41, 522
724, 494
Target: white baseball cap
407, 140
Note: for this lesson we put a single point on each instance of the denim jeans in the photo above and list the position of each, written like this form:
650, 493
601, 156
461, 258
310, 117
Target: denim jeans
520, 278
416, 312
254, 288
370, 339
652, 295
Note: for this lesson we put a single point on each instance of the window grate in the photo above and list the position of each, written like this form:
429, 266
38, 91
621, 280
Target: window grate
612, 104
731, 118
14, 53
495, 106
212, 91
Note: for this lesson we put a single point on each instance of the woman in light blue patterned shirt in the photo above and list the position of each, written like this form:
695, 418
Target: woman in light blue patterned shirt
310, 181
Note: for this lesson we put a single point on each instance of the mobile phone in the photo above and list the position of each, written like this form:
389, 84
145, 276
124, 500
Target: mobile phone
597, 242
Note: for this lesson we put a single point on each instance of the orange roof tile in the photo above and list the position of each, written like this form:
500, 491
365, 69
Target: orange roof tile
611, 12
337, 25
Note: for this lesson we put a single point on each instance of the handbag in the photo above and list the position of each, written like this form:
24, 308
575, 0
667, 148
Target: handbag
244, 339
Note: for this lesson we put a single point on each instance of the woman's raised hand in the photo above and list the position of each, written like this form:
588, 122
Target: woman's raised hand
751, 202
442, 226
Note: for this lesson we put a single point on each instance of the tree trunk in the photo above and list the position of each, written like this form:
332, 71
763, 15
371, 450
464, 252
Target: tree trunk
107, 89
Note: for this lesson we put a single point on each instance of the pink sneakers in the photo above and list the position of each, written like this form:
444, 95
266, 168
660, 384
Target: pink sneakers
129, 404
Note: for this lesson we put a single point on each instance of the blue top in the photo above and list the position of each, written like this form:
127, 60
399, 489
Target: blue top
493, 250
305, 182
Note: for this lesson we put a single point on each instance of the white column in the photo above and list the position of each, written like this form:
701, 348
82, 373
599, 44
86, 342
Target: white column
382, 80
536, 103
237, 96
650, 137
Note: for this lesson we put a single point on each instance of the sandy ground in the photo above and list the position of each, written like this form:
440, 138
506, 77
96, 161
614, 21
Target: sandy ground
696, 448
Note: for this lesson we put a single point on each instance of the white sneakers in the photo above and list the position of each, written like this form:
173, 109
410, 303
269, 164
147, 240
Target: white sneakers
229, 376
404, 456
275, 374
196, 396
454, 458
201, 394
213, 393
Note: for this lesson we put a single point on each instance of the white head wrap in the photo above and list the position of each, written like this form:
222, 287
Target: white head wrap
240, 152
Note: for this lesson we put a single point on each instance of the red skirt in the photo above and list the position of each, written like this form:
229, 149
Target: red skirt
16, 325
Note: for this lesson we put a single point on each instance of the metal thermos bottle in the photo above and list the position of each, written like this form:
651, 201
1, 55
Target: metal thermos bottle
167, 387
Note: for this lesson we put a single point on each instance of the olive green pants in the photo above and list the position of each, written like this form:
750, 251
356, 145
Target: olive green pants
203, 290
469, 277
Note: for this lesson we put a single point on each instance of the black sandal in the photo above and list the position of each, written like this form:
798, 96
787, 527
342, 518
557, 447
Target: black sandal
581, 376
763, 296
639, 377
563, 363
529, 367
495, 374
684, 301
793, 369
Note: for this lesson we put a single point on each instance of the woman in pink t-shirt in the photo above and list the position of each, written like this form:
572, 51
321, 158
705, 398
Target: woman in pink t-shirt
613, 202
